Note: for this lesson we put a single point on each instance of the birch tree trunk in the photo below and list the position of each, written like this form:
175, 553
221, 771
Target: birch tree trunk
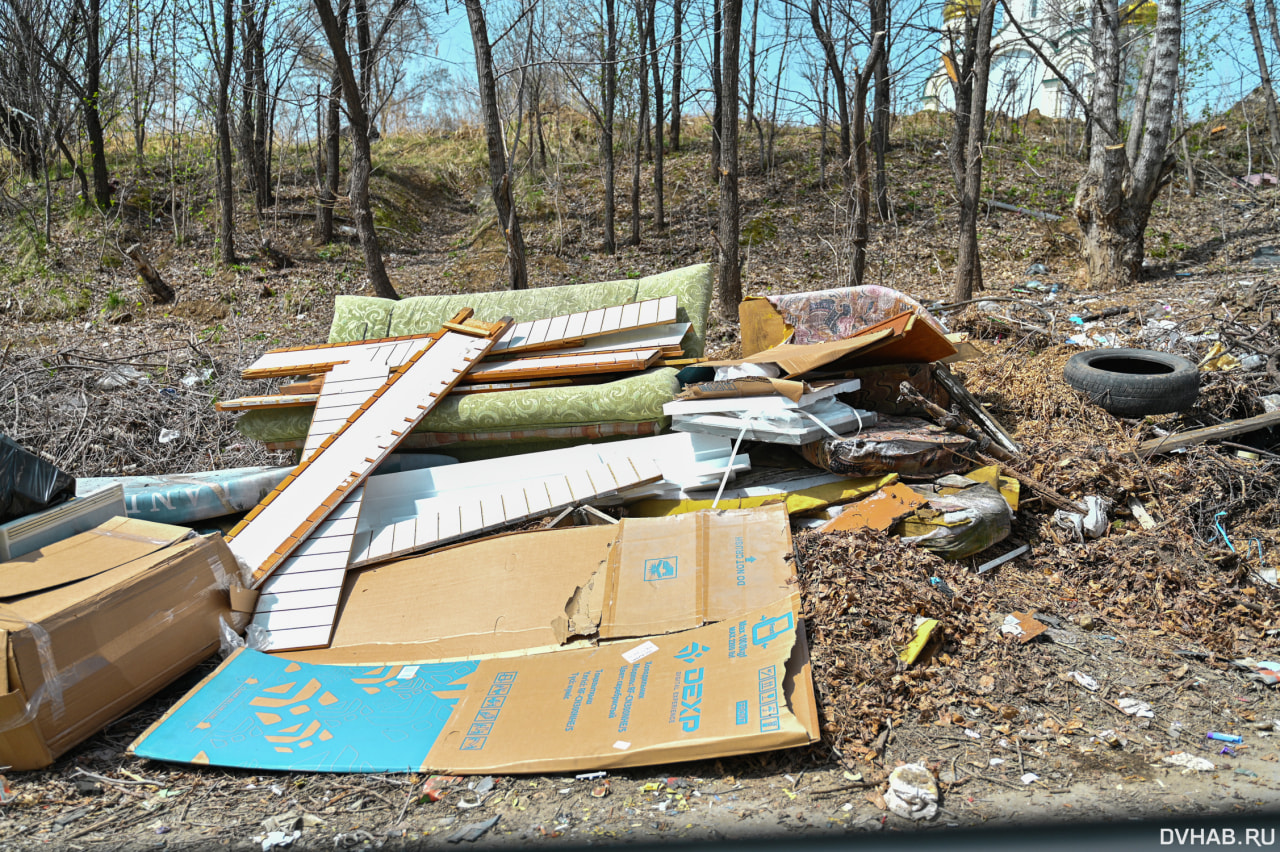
1114, 198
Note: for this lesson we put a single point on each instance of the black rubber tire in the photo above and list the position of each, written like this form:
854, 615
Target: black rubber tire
1134, 382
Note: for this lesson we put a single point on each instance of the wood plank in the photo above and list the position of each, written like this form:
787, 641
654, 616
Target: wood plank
250, 403
345, 459
1203, 435
564, 365
288, 362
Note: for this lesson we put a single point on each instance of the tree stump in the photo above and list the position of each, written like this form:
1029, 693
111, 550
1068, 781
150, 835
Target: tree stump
161, 293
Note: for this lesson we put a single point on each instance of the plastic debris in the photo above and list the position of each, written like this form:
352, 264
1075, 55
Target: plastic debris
1188, 762
1084, 680
961, 524
912, 793
121, 376
472, 831
923, 638
278, 840
168, 436
1030, 778
1226, 738
1134, 707
1092, 525
1266, 672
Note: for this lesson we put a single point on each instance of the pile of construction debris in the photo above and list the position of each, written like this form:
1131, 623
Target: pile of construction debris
594, 603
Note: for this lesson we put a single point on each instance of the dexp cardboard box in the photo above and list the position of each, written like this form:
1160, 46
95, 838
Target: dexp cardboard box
653, 640
93, 625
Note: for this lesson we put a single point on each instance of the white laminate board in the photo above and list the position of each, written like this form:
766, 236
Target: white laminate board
307, 496
299, 638
332, 353
585, 324
303, 580
658, 336
767, 402
470, 512
291, 619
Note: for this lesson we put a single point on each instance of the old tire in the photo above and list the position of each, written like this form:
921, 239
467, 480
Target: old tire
1134, 382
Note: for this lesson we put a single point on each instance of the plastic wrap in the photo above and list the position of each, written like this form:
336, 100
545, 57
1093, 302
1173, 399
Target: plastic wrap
839, 313
961, 524
28, 483
907, 446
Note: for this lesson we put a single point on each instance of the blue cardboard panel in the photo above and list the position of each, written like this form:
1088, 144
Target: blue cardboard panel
264, 712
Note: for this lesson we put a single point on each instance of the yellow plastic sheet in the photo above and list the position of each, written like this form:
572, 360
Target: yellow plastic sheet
798, 502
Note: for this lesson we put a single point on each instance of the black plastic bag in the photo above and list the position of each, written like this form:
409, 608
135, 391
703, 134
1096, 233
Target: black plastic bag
28, 483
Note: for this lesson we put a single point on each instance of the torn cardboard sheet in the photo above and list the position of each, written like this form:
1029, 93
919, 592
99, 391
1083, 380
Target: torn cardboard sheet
880, 511
735, 687
900, 339
534, 591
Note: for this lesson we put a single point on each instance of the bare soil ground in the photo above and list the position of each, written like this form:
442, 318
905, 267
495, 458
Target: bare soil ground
1155, 615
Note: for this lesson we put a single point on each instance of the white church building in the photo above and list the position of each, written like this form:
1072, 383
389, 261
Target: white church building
1020, 82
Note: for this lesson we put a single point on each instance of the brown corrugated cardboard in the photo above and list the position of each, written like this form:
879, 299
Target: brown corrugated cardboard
504, 594
729, 688
899, 339
678, 572
735, 687
529, 697
102, 548
83, 652
517, 593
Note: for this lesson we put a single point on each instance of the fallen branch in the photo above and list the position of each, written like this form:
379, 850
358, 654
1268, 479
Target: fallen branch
988, 450
1034, 214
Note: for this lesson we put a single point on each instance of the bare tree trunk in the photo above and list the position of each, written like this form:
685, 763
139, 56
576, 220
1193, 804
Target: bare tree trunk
1193, 183
500, 177
717, 89
1272, 25
361, 155
642, 57
226, 191
1273, 116
1114, 198
860, 192
729, 287
880, 119
677, 69
824, 118
659, 214
92, 116
823, 33
642, 122
332, 140
968, 260
610, 73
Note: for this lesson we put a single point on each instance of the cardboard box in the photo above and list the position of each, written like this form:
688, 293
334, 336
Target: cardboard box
93, 625
656, 639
